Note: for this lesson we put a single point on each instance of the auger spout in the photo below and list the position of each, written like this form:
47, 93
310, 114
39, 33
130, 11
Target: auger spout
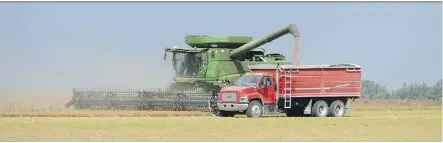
292, 28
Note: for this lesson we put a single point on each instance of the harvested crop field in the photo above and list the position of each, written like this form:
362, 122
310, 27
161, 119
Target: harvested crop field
366, 125
368, 121
361, 125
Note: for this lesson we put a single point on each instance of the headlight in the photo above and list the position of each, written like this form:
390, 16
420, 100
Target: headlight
243, 99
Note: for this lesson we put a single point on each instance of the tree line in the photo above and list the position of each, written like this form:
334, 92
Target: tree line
409, 91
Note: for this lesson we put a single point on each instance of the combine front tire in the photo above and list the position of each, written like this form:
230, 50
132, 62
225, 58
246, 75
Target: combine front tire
226, 114
255, 109
337, 109
320, 109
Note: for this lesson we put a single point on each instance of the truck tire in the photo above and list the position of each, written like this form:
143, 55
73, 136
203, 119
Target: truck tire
337, 109
320, 109
295, 112
226, 114
255, 109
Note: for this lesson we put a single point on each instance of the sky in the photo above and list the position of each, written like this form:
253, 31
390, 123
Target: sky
60, 46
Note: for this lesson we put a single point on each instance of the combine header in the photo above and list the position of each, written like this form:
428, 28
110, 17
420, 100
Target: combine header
140, 99
210, 63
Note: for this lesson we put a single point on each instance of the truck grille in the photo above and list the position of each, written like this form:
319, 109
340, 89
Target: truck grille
229, 96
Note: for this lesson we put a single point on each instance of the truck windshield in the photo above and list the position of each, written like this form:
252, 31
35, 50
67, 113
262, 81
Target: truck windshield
247, 80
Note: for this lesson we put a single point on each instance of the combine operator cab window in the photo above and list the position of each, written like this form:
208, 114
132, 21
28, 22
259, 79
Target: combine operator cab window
186, 64
266, 82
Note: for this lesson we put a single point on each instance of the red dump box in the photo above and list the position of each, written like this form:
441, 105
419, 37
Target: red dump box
339, 80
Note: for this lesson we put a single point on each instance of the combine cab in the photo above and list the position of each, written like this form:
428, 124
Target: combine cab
201, 70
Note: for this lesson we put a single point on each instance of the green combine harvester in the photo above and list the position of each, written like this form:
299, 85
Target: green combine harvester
201, 70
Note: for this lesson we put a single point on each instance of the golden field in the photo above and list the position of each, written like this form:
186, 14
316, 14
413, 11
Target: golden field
33, 116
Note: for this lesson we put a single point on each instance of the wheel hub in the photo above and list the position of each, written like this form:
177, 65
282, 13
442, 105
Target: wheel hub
255, 110
321, 110
338, 110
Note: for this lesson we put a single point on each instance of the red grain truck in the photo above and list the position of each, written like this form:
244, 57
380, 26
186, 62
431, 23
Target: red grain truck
307, 90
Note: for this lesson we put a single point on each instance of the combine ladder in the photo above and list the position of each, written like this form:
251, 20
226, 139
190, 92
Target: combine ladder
288, 87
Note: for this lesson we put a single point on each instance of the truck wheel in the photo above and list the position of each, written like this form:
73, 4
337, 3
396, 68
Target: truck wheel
226, 114
295, 112
320, 109
255, 109
337, 109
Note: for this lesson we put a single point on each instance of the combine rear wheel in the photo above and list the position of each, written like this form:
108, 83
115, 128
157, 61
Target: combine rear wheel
255, 109
337, 109
320, 109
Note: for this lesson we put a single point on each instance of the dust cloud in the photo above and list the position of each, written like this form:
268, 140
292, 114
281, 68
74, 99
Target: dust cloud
86, 66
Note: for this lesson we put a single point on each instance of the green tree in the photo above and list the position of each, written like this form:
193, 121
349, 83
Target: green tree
414, 91
373, 90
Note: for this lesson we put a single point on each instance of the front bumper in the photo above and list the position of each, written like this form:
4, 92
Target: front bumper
232, 107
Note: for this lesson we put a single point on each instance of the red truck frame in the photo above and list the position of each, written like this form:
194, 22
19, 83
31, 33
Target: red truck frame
308, 90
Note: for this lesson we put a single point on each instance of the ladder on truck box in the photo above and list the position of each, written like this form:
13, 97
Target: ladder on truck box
287, 87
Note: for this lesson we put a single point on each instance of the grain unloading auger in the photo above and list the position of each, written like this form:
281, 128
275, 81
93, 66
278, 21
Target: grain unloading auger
200, 72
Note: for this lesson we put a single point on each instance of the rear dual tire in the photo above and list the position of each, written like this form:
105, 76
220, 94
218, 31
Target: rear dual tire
322, 109
337, 109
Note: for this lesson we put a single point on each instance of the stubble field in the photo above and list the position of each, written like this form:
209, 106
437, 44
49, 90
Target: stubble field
33, 116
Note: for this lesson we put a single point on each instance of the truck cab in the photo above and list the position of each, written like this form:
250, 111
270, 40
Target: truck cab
255, 90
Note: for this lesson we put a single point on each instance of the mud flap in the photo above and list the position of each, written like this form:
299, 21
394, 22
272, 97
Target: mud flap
348, 106
308, 109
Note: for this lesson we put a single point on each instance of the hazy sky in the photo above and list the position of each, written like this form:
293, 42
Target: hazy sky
66, 45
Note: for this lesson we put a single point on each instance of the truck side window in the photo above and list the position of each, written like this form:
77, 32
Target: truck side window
268, 81
262, 82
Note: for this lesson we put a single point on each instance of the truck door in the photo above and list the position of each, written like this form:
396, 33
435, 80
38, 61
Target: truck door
267, 90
